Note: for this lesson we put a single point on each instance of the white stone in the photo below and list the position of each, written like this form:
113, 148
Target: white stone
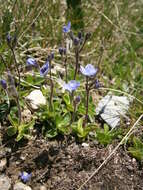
43, 187
85, 145
111, 108
21, 186
5, 182
3, 164
35, 99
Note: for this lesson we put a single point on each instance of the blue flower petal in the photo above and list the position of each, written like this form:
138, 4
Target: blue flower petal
89, 70
67, 28
44, 69
25, 177
31, 62
3, 83
71, 85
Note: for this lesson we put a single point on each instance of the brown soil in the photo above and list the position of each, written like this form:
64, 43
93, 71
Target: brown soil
65, 165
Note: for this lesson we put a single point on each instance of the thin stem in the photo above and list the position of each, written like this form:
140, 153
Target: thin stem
52, 88
87, 100
83, 45
66, 69
76, 62
8, 102
64, 61
73, 114
16, 65
19, 110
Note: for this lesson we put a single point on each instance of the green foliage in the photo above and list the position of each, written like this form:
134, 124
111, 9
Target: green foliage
137, 149
80, 130
105, 136
56, 121
11, 130
22, 130
7, 18
121, 65
75, 13
3, 111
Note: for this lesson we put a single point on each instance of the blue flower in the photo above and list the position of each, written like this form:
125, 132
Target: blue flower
67, 28
97, 84
89, 70
3, 83
25, 177
71, 85
44, 69
62, 50
50, 57
31, 62
9, 38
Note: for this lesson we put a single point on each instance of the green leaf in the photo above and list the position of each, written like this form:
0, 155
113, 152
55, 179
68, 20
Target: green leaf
24, 129
79, 126
104, 136
13, 121
106, 128
63, 122
51, 133
79, 130
137, 149
32, 80
11, 130
66, 99
3, 110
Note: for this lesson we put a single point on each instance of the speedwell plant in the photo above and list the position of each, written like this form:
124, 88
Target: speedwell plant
69, 107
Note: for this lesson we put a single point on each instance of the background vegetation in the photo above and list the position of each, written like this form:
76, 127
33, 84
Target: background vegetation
115, 46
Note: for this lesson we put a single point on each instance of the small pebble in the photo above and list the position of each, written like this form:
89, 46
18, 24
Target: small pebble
21, 186
2, 164
85, 145
134, 160
5, 182
43, 187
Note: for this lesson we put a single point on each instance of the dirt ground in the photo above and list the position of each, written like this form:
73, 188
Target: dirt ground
65, 165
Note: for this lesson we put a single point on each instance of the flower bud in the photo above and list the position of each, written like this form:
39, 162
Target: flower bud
8, 38
80, 35
77, 99
76, 41
3, 84
88, 35
97, 84
60, 50
52, 55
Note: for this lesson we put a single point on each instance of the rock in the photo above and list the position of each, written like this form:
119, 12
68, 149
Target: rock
43, 187
26, 115
21, 186
35, 99
85, 145
5, 182
2, 164
112, 108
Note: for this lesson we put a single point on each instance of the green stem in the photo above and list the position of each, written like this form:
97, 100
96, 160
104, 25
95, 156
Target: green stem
52, 88
87, 100
19, 110
66, 69
76, 62
16, 65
